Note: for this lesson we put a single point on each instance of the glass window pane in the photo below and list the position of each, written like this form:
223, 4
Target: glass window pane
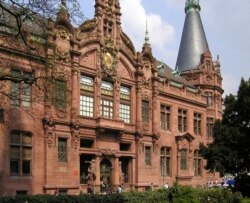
62, 150
14, 152
26, 167
14, 166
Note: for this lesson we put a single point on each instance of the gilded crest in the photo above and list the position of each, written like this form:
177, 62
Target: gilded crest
108, 58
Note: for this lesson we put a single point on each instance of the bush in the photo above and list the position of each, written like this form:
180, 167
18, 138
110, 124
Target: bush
180, 194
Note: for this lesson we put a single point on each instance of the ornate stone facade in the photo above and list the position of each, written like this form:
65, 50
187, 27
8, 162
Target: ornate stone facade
127, 119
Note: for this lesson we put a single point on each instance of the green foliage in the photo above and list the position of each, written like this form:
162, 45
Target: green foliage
230, 150
181, 194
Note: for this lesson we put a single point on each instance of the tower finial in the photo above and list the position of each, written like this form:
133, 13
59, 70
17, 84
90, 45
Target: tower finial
146, 34
192, 5
63, 4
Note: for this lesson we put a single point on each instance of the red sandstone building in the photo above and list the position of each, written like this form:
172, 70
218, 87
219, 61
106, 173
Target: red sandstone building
125, 117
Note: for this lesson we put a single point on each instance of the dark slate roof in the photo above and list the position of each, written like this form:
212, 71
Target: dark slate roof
164, 71
193, 42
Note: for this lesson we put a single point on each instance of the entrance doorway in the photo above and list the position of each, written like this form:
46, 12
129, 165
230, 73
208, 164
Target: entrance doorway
106, 174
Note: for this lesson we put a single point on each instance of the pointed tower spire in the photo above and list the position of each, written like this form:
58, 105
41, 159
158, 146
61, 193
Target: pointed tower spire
146, 34
193, 42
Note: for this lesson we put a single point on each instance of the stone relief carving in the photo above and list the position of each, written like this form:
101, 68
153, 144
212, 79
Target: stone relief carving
107, 151
63, 45
109, 8
91, 172
140, 147
146, 80
49, 127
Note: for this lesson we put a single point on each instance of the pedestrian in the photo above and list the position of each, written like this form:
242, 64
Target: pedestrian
152, 186
119, 190
56, 192
165, 186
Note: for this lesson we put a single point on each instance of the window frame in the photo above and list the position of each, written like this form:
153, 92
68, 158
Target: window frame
145, 112
125, 104
22, 147
148, 155
182, 120
59, 100
183, 160
21, 92
210, 126
197, 123
87, 102
165, 117
197, 164
62, 150
165, 162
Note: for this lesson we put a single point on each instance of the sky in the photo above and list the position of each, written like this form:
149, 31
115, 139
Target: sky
226, 24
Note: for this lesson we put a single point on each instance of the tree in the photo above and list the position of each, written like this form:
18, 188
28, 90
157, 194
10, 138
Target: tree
229, 153
24, 30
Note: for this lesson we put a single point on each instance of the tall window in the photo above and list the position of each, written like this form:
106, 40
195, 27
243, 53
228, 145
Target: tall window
148, 155
107, 99
210, 125
145, 112
125, 104
183, 154
20, 153
60, 94
165, 117
62, 149
209, 98
108, 26
197, 163
21, 89
87, 96
182, 120
165, 161
197, 123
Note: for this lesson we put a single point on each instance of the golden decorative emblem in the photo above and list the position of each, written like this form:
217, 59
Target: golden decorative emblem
108, 58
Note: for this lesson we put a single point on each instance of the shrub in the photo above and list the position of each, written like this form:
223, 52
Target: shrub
180, 194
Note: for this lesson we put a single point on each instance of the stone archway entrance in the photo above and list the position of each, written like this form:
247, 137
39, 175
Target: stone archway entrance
106, 173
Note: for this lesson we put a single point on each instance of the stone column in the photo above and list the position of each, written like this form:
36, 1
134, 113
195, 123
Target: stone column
75, 96
97, 97
117, 87
155, 124
138, 108
133, 172
116, 171
98, 176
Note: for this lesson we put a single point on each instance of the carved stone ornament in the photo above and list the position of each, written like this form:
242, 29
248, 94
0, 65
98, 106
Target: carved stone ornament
107, 152
49, 127
147, 73
109, 7
108, 58
63, 44
140, 147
